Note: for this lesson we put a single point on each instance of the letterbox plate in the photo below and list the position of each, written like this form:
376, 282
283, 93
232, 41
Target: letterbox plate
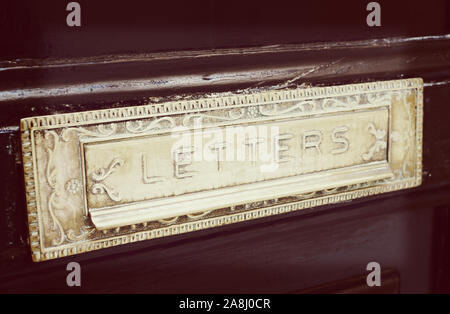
97, 179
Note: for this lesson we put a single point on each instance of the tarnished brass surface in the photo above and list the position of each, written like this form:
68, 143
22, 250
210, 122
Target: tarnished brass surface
103, 178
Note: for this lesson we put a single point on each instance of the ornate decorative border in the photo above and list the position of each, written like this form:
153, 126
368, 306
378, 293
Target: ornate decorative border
204, 104
28, 125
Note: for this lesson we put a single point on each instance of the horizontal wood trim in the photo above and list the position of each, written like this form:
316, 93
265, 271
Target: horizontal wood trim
281, 66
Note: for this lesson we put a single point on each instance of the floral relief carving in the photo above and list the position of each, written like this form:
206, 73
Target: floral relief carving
72, 186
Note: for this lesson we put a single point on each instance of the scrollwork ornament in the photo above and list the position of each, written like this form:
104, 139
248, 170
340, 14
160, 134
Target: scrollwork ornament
101, 174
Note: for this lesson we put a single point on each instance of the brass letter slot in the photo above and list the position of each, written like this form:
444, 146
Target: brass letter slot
102, 178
